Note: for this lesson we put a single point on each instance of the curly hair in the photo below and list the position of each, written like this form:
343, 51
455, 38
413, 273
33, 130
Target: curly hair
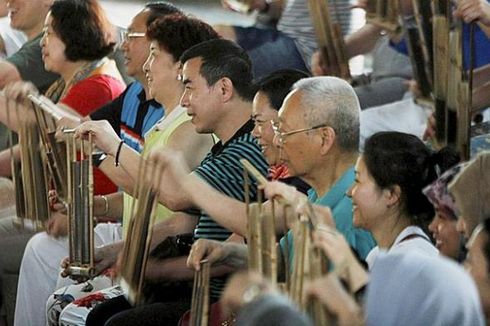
83, 27
176, 33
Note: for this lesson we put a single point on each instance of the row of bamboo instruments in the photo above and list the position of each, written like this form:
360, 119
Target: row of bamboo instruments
308, 263
46, 165
435, 44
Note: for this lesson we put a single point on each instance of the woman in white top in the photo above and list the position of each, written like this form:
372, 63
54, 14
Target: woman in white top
10, 39
387, 194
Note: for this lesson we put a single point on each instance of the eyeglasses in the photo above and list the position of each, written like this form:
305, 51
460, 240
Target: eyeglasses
281, 136
126, 36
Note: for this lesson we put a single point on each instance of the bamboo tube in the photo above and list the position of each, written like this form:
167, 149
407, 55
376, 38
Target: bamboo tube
441, 62
330, 39
200, 296
138, 240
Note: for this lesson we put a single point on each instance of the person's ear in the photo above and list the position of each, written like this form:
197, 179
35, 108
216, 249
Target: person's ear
392, 196
226, 89
328, 136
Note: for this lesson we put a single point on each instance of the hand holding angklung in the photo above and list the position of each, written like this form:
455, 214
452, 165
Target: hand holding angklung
103, 135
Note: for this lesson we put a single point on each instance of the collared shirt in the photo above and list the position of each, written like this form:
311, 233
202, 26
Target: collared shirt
221, 169
341, 206
131, 115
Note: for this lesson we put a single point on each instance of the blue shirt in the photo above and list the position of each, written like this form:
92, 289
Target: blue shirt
131, 115
341, 206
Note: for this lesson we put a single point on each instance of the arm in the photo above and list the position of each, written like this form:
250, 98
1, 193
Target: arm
271, 8
179, 269
6, 161
114, 206
178, 223
481, 97
8, 73
362, 41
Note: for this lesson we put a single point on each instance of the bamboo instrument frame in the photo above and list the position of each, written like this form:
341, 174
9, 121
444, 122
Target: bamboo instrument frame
33, 177
440, 27
79, 202
55, 151
330, 39
308, 262
417, 29
383, 13
200, 296
261, 229
137, 243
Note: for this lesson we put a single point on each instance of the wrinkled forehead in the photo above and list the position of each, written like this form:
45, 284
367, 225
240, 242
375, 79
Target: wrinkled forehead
138, 23
292, 112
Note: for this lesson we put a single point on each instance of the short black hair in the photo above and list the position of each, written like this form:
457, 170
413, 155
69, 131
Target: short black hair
400, 159
277, 85
160, 8
177, 33
83, 27
223, 58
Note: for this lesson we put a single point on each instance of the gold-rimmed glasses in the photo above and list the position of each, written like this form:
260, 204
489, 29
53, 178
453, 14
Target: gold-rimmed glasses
281, 136
127, 35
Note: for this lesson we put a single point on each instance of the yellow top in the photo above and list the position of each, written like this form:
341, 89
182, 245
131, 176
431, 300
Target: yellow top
158, 136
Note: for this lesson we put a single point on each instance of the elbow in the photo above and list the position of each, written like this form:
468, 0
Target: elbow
174, 204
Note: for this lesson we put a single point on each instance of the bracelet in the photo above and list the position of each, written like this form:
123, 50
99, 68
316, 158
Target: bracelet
116, 161
106, 205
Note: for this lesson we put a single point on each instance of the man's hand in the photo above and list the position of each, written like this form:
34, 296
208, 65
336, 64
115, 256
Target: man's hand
217, 253
18, 91
57, 225
259, 5
473, 10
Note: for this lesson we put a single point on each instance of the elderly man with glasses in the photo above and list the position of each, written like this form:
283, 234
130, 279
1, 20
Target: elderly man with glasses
317, 133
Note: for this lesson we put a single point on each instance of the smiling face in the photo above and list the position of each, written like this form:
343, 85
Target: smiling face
368, 202
263, 114
162, 72
136, 49
202, 101
447, 237
300, 152
28, 15
53, 49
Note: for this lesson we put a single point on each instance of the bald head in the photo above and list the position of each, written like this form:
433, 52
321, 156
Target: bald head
331, 101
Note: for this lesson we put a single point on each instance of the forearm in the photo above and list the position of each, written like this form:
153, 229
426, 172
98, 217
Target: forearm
357, 277
176, 269
6, 160
118, 174
112, 208
230, 213
8, 73
362, 41
481, 75
11, 113
178, 223
481, 97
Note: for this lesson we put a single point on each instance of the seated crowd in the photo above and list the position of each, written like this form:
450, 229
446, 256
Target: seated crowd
371, 221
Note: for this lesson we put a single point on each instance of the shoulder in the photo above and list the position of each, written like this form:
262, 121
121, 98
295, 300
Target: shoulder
93, 92
101, 85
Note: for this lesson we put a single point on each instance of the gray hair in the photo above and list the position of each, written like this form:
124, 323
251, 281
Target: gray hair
332, 101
